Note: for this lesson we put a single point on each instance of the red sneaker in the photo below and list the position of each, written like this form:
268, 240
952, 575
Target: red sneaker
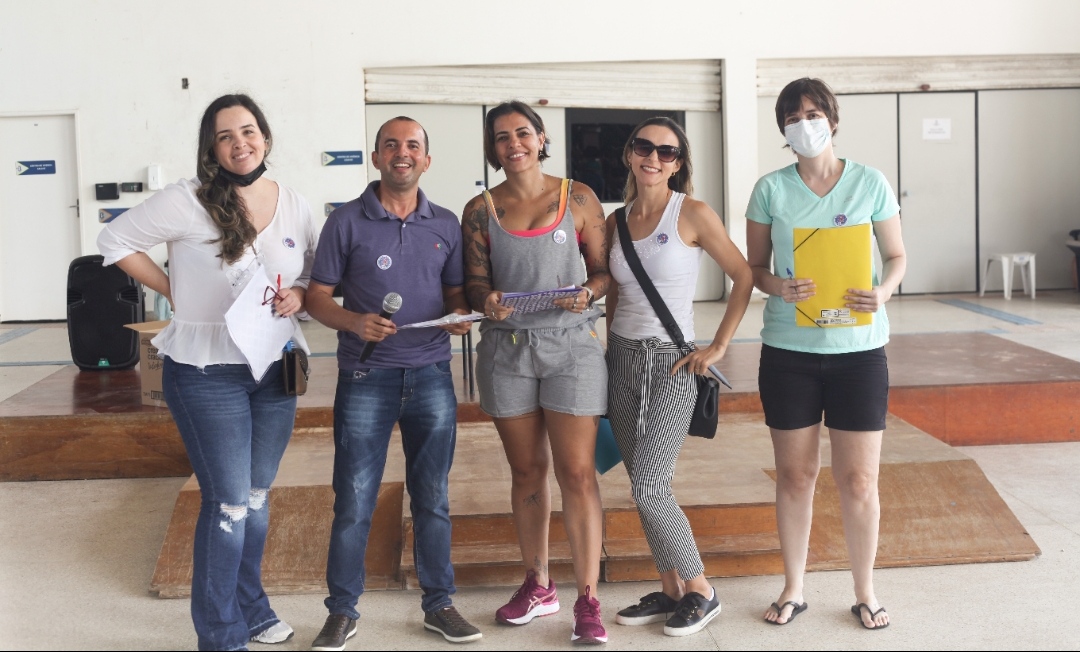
530, 601
588, 629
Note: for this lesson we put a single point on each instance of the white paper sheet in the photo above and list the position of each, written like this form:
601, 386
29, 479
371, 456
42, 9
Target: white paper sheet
256, 329
452, 318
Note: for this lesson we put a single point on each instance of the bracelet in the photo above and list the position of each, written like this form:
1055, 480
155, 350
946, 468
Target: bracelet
588, 289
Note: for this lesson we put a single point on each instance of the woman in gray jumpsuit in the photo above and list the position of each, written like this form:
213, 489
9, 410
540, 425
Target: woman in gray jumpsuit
541, 375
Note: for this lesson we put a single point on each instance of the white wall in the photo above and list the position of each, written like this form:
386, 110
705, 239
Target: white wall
118, 64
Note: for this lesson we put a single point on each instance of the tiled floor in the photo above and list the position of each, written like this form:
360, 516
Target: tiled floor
76, 557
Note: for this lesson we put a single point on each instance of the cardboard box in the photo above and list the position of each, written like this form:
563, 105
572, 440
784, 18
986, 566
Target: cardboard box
150, 363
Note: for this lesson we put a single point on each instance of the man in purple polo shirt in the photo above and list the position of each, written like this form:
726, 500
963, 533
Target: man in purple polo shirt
391, 239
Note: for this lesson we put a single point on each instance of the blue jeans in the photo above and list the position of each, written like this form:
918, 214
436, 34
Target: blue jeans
366, 406
235, 431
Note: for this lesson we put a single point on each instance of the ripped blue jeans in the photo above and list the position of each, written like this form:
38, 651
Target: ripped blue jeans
235, 431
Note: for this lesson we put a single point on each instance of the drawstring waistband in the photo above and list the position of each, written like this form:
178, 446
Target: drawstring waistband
648, 347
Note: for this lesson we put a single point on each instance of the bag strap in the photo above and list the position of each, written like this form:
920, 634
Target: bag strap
658, 305
490, 205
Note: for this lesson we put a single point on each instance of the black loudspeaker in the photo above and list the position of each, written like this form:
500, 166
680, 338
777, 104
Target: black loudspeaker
100, 302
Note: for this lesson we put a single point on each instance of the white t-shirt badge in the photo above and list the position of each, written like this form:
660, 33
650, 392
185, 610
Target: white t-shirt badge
559, 236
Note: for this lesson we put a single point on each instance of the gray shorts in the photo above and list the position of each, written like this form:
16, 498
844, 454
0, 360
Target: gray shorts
559, 369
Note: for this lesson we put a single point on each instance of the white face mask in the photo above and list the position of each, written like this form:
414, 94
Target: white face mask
808, 137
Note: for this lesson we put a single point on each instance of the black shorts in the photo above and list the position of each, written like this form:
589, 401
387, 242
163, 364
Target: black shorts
852, 389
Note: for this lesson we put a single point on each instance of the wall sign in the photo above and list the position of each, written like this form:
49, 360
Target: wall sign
106, 215
355, 157
25, 168
329, 207
937, 128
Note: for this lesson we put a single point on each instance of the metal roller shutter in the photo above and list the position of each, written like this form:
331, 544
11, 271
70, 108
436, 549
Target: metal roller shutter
907, 74
657, 85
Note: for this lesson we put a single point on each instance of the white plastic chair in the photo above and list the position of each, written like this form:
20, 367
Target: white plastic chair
1025, 260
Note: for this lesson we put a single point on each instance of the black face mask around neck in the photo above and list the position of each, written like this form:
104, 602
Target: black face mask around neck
242, 180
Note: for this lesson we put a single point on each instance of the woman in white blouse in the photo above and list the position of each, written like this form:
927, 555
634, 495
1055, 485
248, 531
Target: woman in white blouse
222, 229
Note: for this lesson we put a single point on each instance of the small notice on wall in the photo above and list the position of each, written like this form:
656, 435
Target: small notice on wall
106, 215
354, 157
937, 128
329, 207
25, 168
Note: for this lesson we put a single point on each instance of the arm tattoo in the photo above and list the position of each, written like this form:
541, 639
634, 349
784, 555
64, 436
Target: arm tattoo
477, 261
580, 199
597, 267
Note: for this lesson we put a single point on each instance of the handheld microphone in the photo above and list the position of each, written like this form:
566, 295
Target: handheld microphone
391, 303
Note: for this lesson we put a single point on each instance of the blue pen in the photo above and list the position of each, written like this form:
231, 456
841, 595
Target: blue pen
289, 345
789, 274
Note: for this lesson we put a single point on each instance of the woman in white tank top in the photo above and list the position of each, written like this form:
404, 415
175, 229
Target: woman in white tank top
651, 382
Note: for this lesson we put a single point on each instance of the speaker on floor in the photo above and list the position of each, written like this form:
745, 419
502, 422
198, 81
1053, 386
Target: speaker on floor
100, 302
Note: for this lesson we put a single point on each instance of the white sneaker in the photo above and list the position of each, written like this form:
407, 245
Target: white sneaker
279, 632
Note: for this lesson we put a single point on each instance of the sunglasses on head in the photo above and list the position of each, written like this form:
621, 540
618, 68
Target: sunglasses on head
666, 153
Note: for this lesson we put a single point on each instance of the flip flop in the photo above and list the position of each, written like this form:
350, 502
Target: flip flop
857, 610
797, 609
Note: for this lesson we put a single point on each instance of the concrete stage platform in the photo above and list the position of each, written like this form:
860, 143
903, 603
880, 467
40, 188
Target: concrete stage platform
963, 388
937, 508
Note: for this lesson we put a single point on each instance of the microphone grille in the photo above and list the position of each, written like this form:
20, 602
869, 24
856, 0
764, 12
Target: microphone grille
391, 303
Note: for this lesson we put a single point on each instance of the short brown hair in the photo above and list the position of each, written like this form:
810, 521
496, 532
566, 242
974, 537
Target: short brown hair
815, 90
506, 108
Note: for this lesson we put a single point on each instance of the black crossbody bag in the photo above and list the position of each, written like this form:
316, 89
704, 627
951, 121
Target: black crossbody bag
706, 409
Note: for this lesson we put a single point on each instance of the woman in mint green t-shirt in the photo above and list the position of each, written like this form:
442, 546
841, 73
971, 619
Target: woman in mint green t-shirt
809, 370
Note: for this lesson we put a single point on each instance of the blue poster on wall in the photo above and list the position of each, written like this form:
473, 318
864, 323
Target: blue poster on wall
329, 207
28, 168
354, 157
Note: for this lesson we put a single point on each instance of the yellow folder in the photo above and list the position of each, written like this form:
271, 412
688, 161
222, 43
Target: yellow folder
836, 259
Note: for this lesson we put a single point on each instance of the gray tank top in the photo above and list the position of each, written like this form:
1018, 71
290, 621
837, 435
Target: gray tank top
532, 263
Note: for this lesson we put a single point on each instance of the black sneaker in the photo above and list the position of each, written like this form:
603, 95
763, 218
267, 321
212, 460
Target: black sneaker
452, 625
692, 613
337, 629
653, 608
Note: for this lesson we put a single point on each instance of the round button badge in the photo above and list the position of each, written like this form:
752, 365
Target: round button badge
384, 262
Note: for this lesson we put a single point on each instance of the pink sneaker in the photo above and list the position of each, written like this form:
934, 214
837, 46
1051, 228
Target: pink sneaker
587, 626
530, 601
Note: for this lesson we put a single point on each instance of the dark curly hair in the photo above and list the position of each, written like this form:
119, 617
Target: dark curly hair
218, 196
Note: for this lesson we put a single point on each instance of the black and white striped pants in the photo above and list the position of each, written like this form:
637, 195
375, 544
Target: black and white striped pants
650, 412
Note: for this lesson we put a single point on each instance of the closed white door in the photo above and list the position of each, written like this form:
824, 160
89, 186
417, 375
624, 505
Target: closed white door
937, 191
39, 223
456, 134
